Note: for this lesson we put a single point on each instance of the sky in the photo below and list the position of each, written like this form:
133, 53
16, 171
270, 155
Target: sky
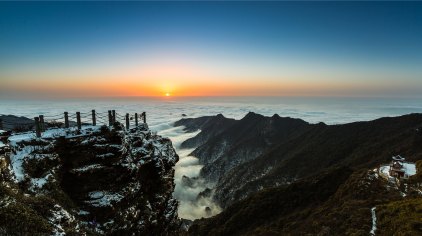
71, 49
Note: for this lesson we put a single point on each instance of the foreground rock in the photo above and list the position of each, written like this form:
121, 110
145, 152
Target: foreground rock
97, 181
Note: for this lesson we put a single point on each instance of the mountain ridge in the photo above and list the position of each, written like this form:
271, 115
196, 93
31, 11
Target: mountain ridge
246, 138
303, 150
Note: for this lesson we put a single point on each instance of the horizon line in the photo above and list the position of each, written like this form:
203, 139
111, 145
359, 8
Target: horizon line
163, 97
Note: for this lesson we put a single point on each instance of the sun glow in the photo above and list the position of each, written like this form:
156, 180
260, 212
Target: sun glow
167, 94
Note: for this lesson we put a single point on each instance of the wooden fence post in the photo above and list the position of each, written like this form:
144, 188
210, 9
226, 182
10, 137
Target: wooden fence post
127, 121
94, 121
136, 119
110, 118
78, 119
114, 116
1, 123
37, 126
42, 124
66, 119
144, 117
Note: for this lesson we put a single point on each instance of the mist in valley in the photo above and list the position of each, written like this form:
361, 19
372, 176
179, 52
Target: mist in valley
191, 206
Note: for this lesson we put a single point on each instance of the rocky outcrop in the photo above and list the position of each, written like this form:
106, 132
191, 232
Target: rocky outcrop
99, 181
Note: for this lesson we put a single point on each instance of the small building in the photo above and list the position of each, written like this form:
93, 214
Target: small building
399, 168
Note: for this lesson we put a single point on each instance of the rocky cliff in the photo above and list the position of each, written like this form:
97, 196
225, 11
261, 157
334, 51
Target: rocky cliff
100, 180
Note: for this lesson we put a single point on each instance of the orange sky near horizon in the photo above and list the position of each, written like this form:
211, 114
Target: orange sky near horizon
179, 76
111, 87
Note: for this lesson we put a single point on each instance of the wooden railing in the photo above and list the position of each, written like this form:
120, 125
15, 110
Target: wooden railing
78, 119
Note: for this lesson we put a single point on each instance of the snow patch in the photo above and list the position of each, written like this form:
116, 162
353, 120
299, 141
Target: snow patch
17, 159
374, 221
54, 133
107, 155
59, 217
103, 198
14, 139
83, 213
88, 168
38, 183
409, 168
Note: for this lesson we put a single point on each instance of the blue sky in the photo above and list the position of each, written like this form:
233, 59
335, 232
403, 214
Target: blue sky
187, 48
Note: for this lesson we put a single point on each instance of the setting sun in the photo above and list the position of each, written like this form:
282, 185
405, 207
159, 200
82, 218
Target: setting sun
167, 94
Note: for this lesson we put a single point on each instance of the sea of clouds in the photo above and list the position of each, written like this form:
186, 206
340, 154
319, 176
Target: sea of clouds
163, 112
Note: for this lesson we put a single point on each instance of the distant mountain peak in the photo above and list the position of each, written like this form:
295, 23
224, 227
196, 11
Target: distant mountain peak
252, 115
220, 116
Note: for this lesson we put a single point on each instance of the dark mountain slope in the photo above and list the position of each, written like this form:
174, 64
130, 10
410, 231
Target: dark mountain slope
210, 126
16, 123
245, 140
334, 202
400, 218
358, 145
348, 211
259, 211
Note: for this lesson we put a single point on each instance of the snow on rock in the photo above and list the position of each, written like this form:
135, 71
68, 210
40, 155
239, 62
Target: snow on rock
103, 198
374, 221
59, 219
14, 139
16, 158
107, 155
93, 139
88, 168
385, 170
38, 183
24, 145
54, 133
409, 168
83, 213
